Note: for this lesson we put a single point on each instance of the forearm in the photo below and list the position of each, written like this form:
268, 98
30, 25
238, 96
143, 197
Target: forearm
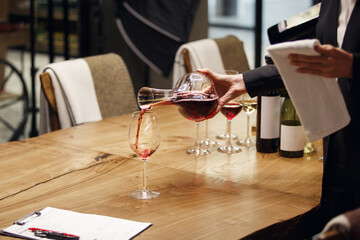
262, 80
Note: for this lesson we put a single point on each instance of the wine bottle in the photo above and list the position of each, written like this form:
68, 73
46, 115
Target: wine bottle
292, 137
268, 120
268, 123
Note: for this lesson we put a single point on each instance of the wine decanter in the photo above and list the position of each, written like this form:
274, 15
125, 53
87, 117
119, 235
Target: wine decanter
195, 96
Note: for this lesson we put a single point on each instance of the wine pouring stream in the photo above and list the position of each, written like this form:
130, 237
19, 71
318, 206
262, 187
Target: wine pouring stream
194, 95
144, 140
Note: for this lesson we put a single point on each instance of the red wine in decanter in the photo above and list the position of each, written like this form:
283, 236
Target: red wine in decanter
195, 107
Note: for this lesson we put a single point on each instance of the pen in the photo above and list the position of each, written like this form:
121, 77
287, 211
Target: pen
43, 233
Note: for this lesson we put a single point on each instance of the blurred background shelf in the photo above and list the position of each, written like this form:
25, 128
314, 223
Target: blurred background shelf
19, 11
42, 43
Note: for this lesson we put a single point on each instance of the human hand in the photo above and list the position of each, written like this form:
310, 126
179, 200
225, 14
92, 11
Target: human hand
332, 62
227, 87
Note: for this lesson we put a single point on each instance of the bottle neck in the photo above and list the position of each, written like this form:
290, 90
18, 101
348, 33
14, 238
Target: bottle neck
288, 112
152, 97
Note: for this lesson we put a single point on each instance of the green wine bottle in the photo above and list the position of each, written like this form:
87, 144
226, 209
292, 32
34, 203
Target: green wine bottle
292, 137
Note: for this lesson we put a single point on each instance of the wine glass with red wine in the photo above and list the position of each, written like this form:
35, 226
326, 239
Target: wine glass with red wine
230, 110
225, 136
144, 140
196, 100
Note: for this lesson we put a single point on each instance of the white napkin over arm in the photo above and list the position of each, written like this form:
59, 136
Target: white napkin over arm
317, 100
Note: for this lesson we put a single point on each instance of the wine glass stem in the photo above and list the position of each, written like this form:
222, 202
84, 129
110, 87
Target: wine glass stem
248, 126
228, 131
206, 129
197, 136
144, 175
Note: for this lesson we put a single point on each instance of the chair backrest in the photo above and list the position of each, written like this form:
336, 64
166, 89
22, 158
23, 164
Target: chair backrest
112, 83
233, 53
216, 54
48, 90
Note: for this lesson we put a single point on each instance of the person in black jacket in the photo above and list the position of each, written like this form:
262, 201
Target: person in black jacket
338, 30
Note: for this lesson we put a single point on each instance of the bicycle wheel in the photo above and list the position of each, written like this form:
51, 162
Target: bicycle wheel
14, 102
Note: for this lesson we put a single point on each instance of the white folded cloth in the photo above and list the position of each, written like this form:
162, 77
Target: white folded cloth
317, 100
74, 93
203, 53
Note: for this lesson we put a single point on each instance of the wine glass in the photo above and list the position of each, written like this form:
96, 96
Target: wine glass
225, 136
310, 147
196, 99
249, 106
207, 142
144, 140
230, 110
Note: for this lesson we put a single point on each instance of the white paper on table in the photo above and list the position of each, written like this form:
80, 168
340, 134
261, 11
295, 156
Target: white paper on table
87, 226
317, 100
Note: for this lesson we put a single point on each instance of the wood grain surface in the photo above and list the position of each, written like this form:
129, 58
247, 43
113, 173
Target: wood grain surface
91, 169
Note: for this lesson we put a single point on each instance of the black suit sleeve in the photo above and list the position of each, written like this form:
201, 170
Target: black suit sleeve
262, 80
356, 66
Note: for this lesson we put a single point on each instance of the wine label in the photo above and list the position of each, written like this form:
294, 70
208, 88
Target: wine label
270, 117
292, 138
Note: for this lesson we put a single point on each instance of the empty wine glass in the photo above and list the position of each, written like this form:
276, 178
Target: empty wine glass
249, 106
225, 136
196, 99
230, 110
144, 140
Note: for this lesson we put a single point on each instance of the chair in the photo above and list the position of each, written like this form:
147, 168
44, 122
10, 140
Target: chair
85, 90
216, 54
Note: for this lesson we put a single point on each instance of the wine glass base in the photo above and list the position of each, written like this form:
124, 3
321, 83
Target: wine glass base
144, 194
247, 142
229, 149
225, 136
310, 148
198, 151
208, 143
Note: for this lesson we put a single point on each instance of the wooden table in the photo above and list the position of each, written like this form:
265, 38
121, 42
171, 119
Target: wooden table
91, 169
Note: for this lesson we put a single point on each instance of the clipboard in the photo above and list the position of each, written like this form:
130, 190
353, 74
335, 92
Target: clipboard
86, 226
